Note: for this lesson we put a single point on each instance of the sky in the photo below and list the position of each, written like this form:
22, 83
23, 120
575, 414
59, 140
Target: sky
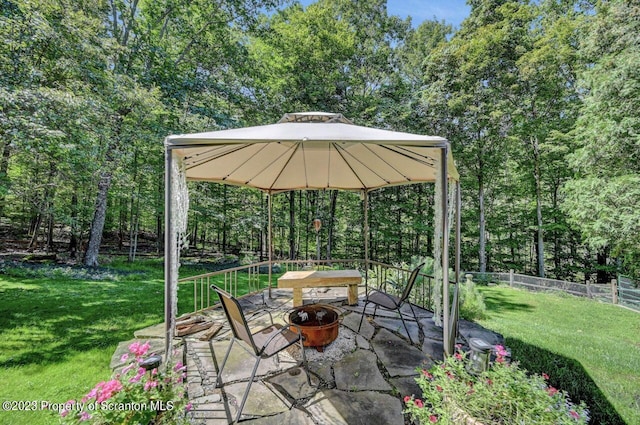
451, 11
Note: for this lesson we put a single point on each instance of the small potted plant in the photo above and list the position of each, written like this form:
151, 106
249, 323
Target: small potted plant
504, 393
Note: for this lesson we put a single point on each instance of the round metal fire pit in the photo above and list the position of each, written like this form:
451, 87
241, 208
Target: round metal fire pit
319, 324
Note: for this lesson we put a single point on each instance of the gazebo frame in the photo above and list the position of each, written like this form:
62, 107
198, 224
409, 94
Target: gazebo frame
313, 151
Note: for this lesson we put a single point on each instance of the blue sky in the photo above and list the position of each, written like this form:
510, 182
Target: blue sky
452, 11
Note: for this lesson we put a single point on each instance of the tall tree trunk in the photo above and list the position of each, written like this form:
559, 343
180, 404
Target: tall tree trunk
4, 168
97, 224
332, 214
100, 211
482, 241
292, 225
602, 275
159, 215
73, 240
224, 218
540, 242
133, 213
418, 219
399, 222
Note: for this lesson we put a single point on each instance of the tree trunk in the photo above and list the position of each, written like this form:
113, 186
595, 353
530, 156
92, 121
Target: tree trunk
602, 276
292, 225
4, 168
332, 214
97, 224
224, 219
73, 240
399, 222
159, 215
540, 242
482, 241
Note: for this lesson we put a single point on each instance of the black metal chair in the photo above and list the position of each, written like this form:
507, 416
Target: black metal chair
263, 344
392, 302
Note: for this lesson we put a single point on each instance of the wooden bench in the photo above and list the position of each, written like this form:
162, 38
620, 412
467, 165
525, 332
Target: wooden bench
321, 278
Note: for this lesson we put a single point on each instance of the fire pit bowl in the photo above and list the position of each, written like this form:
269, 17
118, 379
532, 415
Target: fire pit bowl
318, 322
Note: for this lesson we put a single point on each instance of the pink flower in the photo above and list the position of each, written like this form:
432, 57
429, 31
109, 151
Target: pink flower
407, 398
427, 374
419, 403
150, 384
188, 407
93, 392
545, 376
438, 388
433, 419
138, 376
139, 349
552, 391
458, 356
64, 413
124, 357
106, 390
500, 353
574, 414
179, 367
84, 416
489, 382
154, 372
128, 368
500, 350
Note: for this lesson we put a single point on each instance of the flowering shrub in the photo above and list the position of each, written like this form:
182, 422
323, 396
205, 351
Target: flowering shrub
133, 396
504, 394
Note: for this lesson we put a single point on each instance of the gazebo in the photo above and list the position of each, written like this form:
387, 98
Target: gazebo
309, 151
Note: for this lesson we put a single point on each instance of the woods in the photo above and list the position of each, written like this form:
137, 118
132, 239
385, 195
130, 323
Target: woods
539, 99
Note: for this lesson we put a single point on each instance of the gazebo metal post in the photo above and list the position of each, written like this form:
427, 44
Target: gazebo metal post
448, 346
169, 249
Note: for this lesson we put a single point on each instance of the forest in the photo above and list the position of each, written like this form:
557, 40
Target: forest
540, 100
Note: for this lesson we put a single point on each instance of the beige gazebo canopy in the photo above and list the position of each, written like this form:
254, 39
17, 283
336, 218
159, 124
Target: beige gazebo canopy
311, 150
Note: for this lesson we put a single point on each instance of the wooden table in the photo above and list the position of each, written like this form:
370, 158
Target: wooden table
314, 279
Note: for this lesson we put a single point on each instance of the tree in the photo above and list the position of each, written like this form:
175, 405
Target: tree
603, 199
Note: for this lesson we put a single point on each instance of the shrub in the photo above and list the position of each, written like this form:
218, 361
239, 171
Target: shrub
504, 394
472, 305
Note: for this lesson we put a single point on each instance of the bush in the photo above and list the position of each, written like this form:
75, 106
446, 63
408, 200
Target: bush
472, 304
504, 394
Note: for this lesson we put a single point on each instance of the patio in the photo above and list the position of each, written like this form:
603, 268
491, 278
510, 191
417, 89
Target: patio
359, 378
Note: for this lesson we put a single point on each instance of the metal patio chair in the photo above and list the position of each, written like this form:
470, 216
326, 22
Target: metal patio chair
262, 344
391, 302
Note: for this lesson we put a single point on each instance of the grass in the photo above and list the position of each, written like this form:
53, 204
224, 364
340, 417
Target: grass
58, 333
589, 349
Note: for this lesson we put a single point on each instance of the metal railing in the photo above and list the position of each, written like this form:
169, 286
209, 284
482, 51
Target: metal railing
260, 276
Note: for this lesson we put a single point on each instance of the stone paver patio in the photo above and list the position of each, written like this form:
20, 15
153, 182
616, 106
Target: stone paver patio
361, 378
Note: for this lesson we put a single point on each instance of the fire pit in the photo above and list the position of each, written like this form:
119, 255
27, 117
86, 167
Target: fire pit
318, 322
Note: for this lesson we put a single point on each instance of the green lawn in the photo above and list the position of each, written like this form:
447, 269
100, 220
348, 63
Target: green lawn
57, 334
589, 349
